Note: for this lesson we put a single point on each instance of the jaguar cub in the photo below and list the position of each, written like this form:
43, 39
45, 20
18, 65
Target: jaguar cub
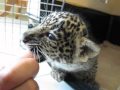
63, 39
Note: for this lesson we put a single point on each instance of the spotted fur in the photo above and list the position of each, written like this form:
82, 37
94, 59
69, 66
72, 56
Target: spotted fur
63, 38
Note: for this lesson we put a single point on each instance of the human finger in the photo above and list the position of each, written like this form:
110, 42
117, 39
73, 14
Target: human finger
29, 85
22, 71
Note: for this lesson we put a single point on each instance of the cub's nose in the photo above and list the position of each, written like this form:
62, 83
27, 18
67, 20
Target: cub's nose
27, 37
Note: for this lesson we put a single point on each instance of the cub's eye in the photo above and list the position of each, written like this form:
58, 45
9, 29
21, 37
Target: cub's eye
51, 36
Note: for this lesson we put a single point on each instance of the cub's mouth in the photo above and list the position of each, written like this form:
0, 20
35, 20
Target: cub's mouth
38, 54
34, 47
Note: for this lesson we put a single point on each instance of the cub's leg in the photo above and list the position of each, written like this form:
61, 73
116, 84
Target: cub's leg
58, 74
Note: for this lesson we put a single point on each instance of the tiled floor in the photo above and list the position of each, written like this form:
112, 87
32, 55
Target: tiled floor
45, 81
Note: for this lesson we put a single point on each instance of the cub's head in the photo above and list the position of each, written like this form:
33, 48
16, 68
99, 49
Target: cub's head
60, 36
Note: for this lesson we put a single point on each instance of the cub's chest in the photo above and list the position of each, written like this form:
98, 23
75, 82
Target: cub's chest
69, 67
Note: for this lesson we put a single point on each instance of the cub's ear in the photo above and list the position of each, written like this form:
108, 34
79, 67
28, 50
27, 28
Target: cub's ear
88, 49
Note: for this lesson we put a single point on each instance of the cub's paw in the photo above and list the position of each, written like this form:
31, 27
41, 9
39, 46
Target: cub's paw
57, 75
94, 85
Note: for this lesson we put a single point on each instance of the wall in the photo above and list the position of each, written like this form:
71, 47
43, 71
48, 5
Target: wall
107, 30
113, 6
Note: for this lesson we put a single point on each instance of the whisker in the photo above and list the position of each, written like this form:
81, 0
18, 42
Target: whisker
33, 44
38, 56
41, 51
34, 53
43, 54
43, 43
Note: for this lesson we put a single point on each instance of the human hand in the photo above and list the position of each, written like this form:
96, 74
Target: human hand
21, 75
